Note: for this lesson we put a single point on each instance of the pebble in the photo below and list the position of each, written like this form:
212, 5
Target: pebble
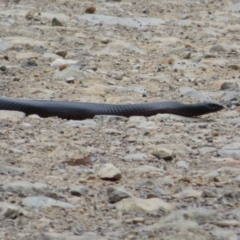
163, 153
109, 172
117, 194
10, 211
12, 170
136, 157
79, 191
90, 10
229, 86
56, 22
88, 123
25, 188
62, 53
144, 205
41, 202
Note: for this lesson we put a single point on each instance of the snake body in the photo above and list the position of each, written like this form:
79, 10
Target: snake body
84, 110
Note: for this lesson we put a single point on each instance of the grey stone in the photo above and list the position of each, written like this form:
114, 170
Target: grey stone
235, 7
182, 164
137, 89
68, 72
236, 180
128, 22
24, 187
194, 94
144, 205
186, 55
187, 235
11, 115
163, 153
229, 194
229, 86
28, 63
229, 153
136, 157
50, 56
7, 22
230, 96
56, 22
42, 202
52, 236
147, 169
4, 46
200, 215
209, 193
116, 194
10, 211
211, 175
88, 123
220, 48
79, 191
115, 48
12, 170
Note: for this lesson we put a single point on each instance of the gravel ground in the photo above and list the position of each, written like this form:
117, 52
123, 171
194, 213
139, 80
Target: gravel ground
108, 178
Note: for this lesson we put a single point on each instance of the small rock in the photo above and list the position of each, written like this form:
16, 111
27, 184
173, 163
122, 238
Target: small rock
70, 80
182, 164
24, 187
3, 69
209, 193
67, 72
144, 205
212, 176
230, 96
78, 161
163, 153
56, 22
11, 115
188, 193
41, 202
234, 66
236, 181
109, 172
147, 169
229, 86
116, 194
88, 123
136, 157
186, 55
220, 48
90, 10
12, 170
230, 153
62, 67
28, 63
79, 191
29, 15
59, 61
10, 211
62, 53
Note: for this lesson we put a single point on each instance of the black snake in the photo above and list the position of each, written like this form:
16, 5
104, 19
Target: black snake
84, 110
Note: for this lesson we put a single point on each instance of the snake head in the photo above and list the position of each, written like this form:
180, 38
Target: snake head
214, 107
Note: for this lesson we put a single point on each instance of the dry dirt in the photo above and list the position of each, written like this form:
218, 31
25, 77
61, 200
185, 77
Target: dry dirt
162, 177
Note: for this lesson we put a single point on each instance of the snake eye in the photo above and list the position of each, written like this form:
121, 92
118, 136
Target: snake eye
211, 105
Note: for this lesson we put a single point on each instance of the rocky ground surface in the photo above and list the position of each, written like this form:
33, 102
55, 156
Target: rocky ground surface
162, 177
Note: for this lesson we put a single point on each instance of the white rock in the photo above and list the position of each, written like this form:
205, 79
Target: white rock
109, 172
58, 62
11, 115
42, 202
143, 205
